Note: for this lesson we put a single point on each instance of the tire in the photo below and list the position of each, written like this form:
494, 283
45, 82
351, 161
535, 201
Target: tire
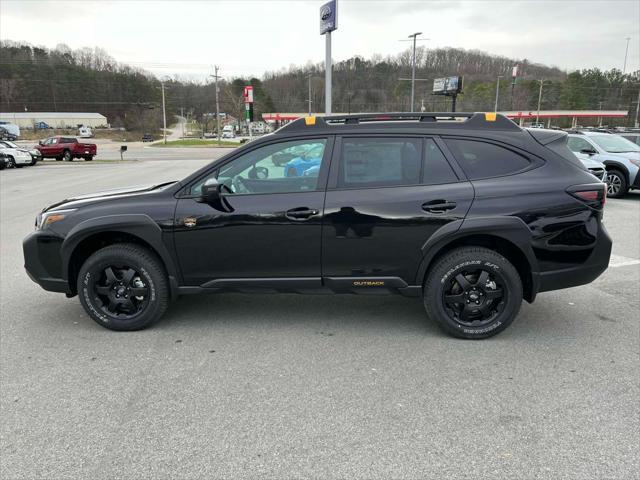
66, 156
12, 163
99, 291
89, 158
616, 184
497, 300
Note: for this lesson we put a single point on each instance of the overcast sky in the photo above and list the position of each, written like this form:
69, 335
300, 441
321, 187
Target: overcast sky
250, 37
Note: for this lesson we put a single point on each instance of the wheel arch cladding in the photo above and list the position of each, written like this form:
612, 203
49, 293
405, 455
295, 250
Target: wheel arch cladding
91, 235
508, 236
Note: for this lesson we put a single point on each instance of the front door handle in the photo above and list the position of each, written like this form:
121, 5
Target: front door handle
301, 213
438, 206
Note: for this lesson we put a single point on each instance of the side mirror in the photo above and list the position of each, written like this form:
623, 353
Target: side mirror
210, 191
41, 142
588, 151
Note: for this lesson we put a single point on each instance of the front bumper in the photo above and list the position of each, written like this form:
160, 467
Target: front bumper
42, 261
582, 274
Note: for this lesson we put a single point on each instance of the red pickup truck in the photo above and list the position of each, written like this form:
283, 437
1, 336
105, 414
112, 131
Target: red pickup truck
66, 148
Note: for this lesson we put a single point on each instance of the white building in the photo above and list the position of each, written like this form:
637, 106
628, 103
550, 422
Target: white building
54, 119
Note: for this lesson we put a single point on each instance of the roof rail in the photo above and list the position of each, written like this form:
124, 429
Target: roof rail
465, 120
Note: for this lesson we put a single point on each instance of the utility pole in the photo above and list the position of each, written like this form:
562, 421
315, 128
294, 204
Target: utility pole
539, 101
215, 78
624, 68
309, 99
413, 68
327, 74
164, 114
636, 124
495, 108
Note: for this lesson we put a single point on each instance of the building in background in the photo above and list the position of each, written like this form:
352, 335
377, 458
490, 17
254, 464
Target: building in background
29, 120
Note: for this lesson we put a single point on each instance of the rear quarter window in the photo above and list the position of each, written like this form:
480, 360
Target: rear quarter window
480, 159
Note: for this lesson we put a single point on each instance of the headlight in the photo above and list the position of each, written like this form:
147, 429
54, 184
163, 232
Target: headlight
47, 218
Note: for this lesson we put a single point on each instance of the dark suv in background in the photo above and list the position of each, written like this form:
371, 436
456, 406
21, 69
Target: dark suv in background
467, 211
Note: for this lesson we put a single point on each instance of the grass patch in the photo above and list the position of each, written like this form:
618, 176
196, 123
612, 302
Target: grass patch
195, 142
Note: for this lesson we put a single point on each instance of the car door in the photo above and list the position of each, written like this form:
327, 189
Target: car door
386, 196
265, 231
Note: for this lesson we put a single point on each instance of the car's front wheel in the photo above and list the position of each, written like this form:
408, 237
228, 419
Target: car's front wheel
473, 292
616, 184
123, 287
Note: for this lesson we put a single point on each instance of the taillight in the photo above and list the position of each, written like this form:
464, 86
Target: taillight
594, 195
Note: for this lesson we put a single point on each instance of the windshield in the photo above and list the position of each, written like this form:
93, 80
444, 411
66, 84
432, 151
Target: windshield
615, 143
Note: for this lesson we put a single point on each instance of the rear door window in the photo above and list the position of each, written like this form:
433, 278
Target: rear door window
379, 162
485, 160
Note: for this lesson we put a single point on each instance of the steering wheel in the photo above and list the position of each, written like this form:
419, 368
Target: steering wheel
238, 185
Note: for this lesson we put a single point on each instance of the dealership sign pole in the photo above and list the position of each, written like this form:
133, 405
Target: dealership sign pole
248, 107
328, 23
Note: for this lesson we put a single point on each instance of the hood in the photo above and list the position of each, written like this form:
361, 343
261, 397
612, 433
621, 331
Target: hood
591, 163
629, 155
82, 200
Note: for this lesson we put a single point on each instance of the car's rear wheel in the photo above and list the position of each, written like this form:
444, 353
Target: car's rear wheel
123, 287
66, 156
473, 292
616, 184
88, 158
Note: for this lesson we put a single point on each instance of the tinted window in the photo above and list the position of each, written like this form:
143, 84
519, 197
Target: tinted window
577, 144
369, 162
483, 160
276, 168
436, 168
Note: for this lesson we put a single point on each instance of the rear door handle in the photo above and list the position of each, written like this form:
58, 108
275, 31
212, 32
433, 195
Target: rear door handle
301, 213
438, 206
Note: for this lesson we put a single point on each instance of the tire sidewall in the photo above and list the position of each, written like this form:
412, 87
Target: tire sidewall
91, 272
494, 264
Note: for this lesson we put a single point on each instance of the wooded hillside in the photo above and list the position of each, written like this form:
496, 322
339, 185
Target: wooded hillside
61, 79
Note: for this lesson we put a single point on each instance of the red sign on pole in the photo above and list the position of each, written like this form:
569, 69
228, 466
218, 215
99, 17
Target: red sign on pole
248, 94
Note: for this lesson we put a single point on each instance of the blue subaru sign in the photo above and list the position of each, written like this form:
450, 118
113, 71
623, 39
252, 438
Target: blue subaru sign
328, 17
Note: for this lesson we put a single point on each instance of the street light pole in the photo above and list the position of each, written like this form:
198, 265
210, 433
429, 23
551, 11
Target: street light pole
495, 108
636, 124
413, 68
327, 74
215, 78
626, 51
539, 101
309, 99
164, 114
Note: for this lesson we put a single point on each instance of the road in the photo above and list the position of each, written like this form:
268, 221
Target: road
240, 386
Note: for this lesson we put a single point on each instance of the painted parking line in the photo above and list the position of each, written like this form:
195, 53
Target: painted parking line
620, 261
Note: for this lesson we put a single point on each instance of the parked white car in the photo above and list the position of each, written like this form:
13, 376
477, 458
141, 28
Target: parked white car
85, 132
17, 157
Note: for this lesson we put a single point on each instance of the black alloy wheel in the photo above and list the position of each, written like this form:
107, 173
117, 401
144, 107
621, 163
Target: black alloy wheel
474, 297
123, 287
120, 292
472, 292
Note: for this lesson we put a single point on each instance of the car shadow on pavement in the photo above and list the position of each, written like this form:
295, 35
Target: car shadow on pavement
382, 313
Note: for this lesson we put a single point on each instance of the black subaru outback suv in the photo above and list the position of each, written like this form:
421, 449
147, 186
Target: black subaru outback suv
468, 211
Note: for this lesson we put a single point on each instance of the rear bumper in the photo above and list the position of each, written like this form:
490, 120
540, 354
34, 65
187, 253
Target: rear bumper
595, 265
43, 263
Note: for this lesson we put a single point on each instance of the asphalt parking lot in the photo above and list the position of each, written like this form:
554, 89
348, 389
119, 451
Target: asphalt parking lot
311, 386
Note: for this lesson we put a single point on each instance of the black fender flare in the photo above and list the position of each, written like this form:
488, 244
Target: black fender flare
138, 225
618, 166
511, 229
